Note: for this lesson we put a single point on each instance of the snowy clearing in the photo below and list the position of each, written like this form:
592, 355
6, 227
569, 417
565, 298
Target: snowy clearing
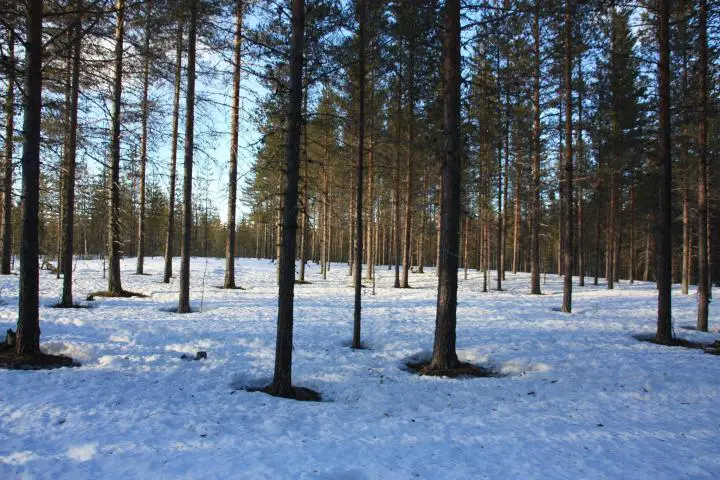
581, 399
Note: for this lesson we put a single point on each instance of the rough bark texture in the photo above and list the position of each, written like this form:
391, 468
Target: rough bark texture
232, 181
444, 353
170, 238
28, 324
535, 201
114, 237
357, 279
6, 224
282, 378
568, 168
69, 183
663, 244
396, 195
184, 298
140, 267
409, 170
703, 275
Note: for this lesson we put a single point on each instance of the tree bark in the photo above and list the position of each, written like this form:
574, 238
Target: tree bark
664, 220
229, 281
282, 378
396, 195
184, 298
569, 218
6, 225
170, 238
114, 237
535, 202
703, 243
686, 242
139, 270
444, 353
304, 207
69, 183
357, 279
407, 260
28, 324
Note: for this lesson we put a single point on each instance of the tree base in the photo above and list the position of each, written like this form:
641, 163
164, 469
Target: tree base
675, 342
9, 359
301, 394
121, 294
461, 370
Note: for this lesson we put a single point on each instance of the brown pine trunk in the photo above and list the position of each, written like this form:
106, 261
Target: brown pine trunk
423, 226
568, 199
229, 281
535, 200
184, 298
139, 270
28, 324
396, 195
304, 207
632, 234
325, 214
611, 235
686, 242
465, 247
170, 236
516, 219
371, 214
282, 378
6, 224
70, 151
703, 240
357, 279
444, 354
664, 220
407, 259
114, 237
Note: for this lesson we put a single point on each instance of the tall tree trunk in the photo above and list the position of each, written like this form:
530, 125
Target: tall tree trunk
664, 220
582, 167
444, 354
28, 324
326, 211
703, 243
6, 225
357, 279
114, 237
686, 242
70, 152
611, 234
139, 270
184, 298
516, 219
569, 218
632, 234
170, 236
232, 181
396, 195
371, 204
305, 207
423, 225
535, 201
646, 272
407, 260
282, 378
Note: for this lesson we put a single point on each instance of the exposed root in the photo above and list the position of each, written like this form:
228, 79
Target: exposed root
122, 294
461, 370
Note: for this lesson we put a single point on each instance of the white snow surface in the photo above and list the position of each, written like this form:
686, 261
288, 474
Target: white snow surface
581, 397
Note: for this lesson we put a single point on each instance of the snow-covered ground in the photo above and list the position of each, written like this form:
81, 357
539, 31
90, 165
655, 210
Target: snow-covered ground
582, 398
